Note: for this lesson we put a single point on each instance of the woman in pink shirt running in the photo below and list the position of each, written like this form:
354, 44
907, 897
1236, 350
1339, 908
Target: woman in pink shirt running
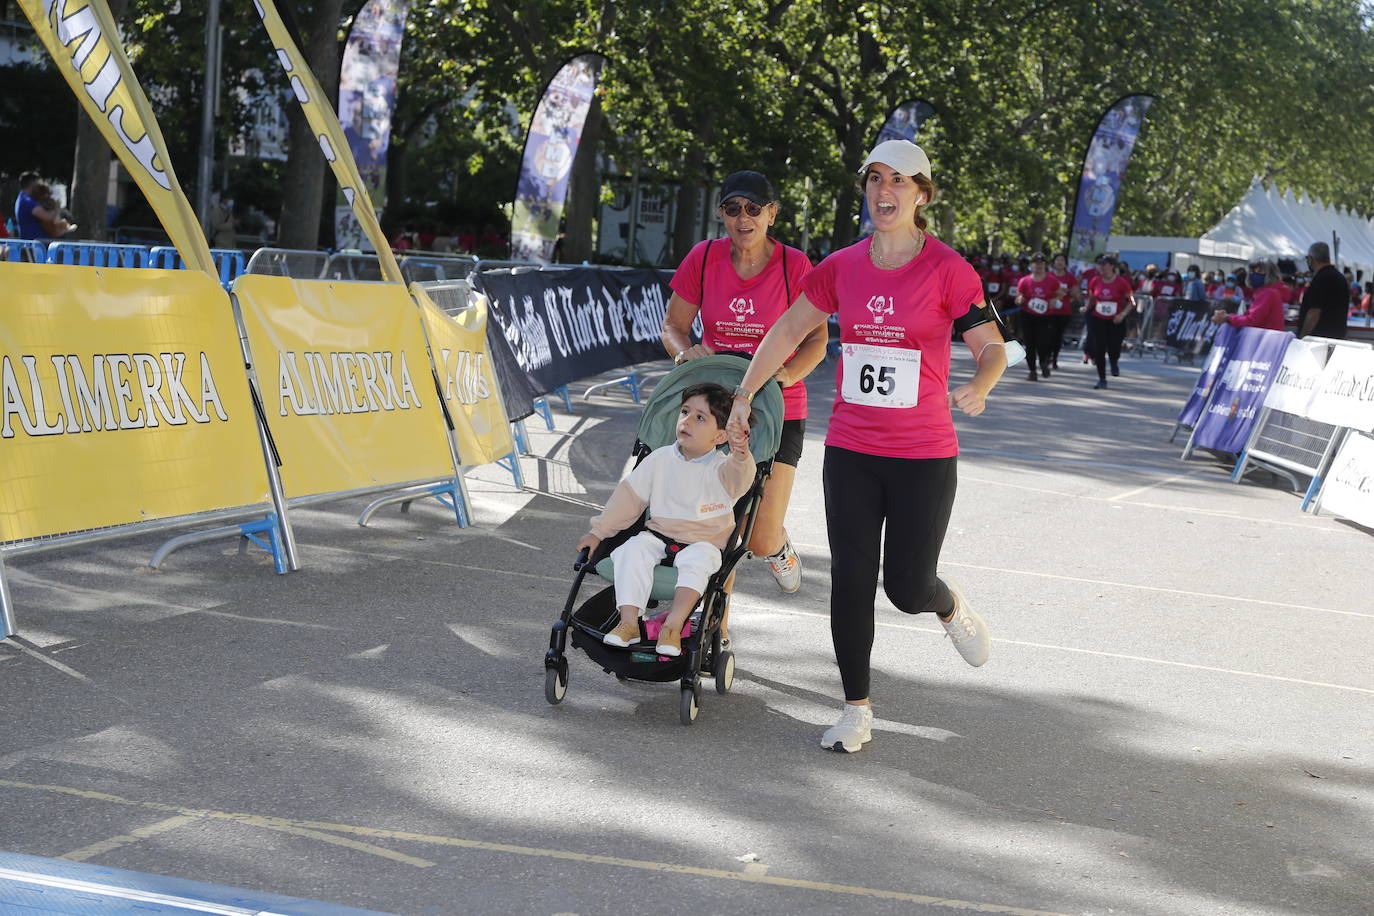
739, 286
890, 448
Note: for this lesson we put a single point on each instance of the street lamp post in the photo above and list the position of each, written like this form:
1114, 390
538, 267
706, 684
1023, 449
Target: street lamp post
206, 173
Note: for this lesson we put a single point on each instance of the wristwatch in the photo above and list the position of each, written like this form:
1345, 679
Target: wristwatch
677, 360
742, 392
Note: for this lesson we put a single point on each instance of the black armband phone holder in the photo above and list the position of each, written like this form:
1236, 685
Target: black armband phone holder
976, 315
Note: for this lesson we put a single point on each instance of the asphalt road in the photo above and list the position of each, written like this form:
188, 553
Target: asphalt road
1178, 717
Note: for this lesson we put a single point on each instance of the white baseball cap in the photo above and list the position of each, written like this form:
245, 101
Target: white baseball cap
902, 155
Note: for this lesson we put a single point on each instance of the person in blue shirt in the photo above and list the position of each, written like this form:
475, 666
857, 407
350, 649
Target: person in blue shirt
37, 217
1194, 290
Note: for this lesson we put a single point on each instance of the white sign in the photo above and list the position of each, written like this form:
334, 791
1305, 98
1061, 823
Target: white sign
1345, 392
1297, 378
881, 376
1348, 489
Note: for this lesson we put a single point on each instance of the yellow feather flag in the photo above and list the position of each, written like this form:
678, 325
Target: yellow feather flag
325, 123
82, 38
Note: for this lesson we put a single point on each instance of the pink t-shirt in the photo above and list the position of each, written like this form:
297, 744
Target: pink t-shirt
735, 313
1041, 296
1265, 312
894, 404
1112, 297
1066, 281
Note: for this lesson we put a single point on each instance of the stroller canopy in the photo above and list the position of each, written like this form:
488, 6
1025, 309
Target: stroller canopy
658, 424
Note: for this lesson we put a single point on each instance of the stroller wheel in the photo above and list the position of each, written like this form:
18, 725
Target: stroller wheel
689, 702
725, 672
556, 681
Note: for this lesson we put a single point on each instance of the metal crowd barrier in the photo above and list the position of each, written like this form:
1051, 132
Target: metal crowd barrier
1289, 445
98, 254
287, 262
229, 261
26, 250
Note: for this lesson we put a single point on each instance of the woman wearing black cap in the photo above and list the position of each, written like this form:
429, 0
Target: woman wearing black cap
890, 448
741, 285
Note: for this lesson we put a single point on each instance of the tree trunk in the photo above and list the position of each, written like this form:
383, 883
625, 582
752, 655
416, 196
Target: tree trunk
303, 176
397, 176
847, 204
91, 170
584, 191
687, 226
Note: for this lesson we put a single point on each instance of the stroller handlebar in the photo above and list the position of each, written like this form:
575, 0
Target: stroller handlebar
582, 556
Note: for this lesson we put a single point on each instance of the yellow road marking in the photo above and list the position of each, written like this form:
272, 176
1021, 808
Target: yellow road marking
126, 839
754, 877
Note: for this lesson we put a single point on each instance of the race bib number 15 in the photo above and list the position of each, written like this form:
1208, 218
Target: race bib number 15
881, 376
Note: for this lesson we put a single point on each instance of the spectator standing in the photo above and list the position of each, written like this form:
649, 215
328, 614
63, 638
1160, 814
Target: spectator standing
1327, 299
224, 225
1266, 309
35, 213
1194, 290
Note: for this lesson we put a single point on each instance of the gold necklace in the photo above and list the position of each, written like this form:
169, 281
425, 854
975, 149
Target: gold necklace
881, 262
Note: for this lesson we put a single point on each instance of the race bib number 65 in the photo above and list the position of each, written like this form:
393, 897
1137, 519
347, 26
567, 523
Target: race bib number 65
881, 376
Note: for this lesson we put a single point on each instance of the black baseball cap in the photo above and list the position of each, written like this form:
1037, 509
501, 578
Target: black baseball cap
749, 185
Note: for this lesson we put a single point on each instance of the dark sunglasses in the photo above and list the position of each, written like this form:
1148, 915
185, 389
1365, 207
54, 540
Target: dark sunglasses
733, 208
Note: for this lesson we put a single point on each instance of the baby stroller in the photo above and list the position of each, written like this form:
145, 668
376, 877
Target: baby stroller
701, 649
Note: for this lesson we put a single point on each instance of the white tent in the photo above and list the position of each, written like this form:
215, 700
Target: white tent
1284, 225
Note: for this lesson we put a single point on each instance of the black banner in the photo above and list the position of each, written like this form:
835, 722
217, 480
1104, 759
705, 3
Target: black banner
567, 324
1190, 329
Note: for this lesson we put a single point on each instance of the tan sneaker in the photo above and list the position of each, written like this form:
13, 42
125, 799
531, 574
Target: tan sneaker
670, 642
624, 635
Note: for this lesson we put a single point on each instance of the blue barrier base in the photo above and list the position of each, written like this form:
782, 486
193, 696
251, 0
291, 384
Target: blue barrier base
29, 884
249, 532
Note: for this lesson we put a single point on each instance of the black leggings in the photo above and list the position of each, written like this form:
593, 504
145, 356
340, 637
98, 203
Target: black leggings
1057, 325
1104, 342
914, 497
1035, 335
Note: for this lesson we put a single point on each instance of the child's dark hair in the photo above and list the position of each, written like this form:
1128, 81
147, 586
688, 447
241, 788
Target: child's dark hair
719, 401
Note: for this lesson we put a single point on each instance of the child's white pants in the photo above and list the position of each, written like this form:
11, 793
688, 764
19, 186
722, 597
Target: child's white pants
636, 558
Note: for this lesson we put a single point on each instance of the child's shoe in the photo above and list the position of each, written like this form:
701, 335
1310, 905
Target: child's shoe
669, 642
624, 635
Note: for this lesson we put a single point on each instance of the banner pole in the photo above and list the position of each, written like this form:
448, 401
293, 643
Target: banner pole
7, 626
269, 450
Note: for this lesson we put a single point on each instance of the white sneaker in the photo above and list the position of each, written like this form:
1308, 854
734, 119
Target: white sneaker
786, 567
852, 732
967, 629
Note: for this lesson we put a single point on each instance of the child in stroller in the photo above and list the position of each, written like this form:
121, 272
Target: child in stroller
702, 651
689, 489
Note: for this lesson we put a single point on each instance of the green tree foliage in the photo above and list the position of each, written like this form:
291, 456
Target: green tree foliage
1279, 89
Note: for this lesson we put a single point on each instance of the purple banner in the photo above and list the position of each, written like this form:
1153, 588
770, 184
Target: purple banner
1252, 362
1216, 362
1103, 167
367, 96
902, 124
550, 147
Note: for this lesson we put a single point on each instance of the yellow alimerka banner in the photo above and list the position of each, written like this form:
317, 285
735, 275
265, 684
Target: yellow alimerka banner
346, 383
467, 378
124, 400
329, 133
83, 41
